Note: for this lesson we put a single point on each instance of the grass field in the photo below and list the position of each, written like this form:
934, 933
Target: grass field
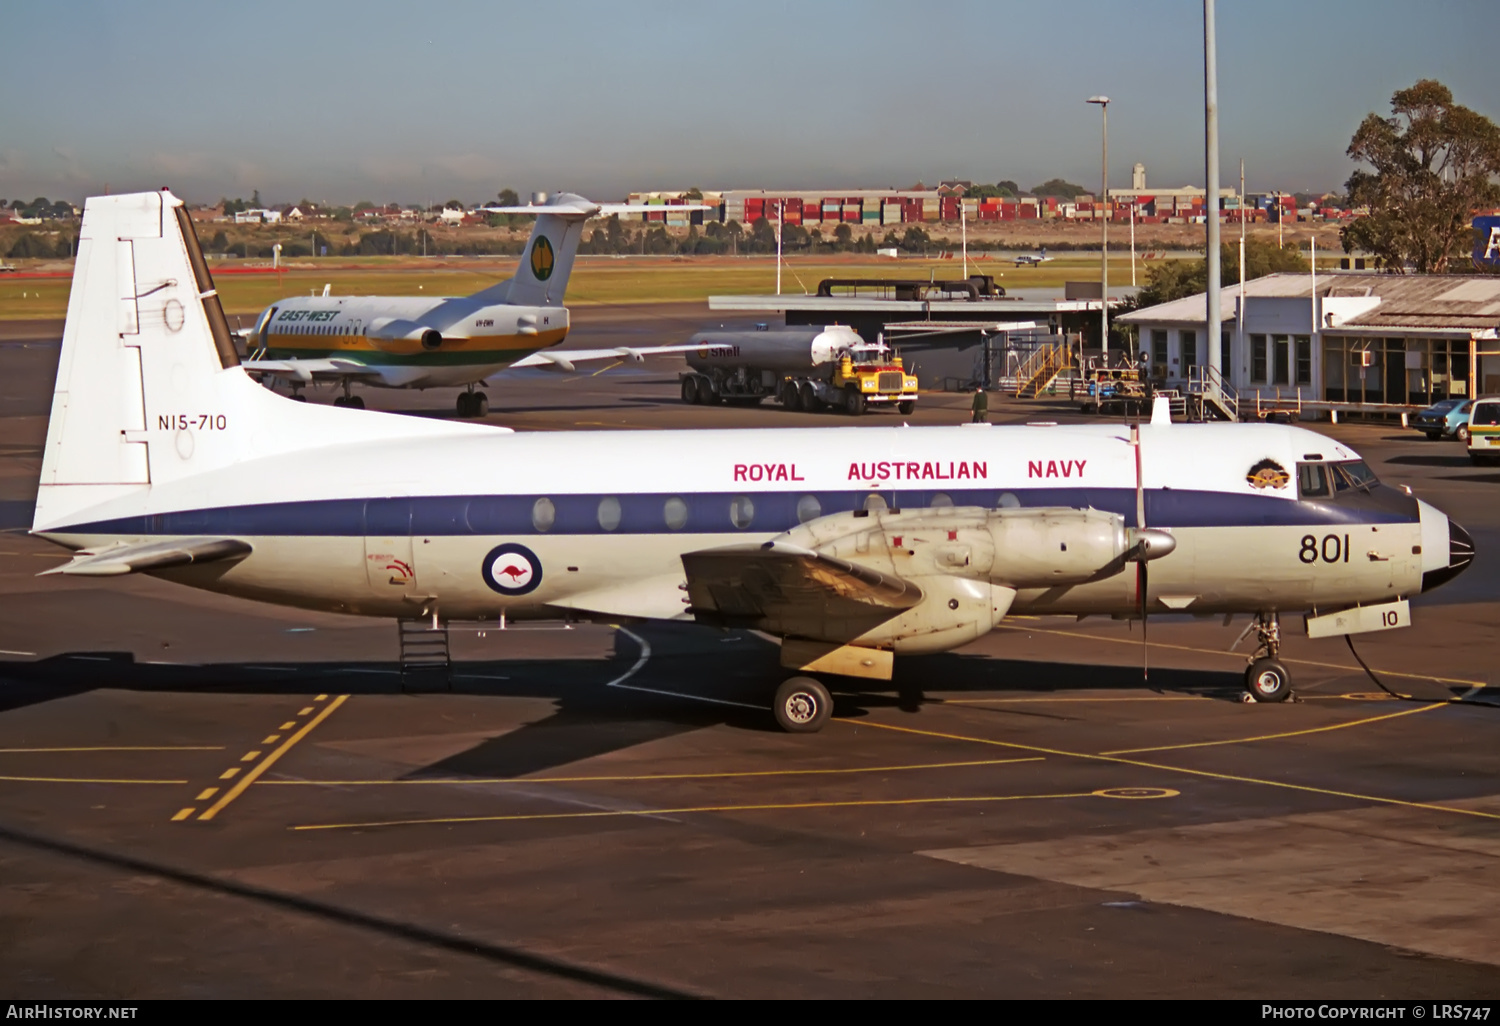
596, 280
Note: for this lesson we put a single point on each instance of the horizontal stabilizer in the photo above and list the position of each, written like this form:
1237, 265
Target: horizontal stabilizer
782, 582
311, 370
143, 556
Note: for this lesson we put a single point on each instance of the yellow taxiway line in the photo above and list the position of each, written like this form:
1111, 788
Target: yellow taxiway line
84, 780
270, 760
649, 776
1272, 737
766, 807
1117, 760
120, 748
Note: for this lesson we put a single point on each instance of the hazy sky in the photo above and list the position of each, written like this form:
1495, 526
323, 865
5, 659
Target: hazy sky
422, 102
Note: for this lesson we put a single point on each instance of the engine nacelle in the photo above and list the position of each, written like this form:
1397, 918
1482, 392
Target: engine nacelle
970, 562
399, 329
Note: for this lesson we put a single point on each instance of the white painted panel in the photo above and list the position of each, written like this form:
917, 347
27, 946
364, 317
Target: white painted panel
129, 319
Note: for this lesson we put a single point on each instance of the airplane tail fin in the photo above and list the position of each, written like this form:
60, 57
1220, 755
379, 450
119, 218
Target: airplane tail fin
149, 388
547, 261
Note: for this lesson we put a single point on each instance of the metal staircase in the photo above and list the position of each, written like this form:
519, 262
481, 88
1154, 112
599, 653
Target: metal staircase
1211, 397
1041, 369
426, 662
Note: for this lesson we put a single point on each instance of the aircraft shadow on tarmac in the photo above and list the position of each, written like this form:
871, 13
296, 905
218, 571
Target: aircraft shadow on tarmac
732, 681
1461, 460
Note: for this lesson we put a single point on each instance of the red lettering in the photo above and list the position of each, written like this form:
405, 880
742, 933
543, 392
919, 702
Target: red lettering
884, 471
1080, 466
756, 471
1033, 468
911, 471
739, 472
854, 474
963, 469
796, 476
982, 469
927, 474
1051, 468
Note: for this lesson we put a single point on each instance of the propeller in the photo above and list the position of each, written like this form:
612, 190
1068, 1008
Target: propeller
1146, 544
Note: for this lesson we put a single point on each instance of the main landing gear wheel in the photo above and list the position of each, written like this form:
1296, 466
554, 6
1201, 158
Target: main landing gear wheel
1268, 681
803, 705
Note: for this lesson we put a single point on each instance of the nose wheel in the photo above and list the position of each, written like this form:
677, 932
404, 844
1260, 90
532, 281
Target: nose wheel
802, 705
1266, 679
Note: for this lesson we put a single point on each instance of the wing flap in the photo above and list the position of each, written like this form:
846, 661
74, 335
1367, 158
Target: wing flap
777, 582
136, 558
310, 370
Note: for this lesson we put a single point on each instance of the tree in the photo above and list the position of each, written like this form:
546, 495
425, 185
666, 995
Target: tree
1006, 187
1434, 163
255, 199
508, 198
1177, 279
1059, 188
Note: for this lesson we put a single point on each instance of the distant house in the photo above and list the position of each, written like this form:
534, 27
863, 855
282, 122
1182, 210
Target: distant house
1370, 339
449, 215
258, 216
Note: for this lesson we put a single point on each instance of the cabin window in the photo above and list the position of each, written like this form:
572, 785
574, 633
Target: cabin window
1258, 360
1312, 481
675, 512
808, 508
875, 503
741, 511
609, 512
941, 500
543, 514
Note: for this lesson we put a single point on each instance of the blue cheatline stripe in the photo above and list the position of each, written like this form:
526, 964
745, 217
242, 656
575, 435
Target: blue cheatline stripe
720, 512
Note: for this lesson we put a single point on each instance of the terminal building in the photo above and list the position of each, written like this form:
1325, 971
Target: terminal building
1366, 342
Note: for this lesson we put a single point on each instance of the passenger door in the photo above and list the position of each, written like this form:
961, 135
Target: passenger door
390, 568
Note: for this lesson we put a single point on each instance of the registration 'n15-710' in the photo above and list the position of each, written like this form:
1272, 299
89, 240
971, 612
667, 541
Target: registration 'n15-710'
191, 422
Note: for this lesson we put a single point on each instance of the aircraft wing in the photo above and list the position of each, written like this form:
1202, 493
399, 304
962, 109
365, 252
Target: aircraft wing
126, 558
781, 583
564, 359
331, 368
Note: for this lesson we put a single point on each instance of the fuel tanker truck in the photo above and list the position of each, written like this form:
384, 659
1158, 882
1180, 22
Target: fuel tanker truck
802, 368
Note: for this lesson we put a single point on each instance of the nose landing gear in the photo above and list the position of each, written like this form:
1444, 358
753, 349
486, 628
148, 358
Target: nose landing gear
473, 404
1266, 679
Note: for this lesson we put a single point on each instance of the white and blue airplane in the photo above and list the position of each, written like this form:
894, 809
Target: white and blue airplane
852, 545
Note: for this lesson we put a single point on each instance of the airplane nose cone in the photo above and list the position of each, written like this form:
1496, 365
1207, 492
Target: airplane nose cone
1460, 555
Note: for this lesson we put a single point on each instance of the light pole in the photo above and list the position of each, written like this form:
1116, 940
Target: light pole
1212, 324
1103, 102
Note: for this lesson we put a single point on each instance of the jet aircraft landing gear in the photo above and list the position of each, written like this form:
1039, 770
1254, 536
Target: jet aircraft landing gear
1266, 680
473, 404
353, 402
803, 705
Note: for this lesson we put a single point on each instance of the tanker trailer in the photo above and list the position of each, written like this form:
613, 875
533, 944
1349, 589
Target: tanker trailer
802, 368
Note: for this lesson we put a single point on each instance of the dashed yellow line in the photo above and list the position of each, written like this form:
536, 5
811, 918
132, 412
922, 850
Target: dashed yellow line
1120, 698
250, 756
305, 710
288, 725
182, 814
270, 760
206, 794
230, 773
649, 776
271, 739
1117, 760
688, 810
1272, 737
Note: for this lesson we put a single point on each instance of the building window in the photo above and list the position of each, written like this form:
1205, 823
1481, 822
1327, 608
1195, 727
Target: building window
1304, 360
1188, 340
1280, 360
1159, 350
1226, 355
1258, 360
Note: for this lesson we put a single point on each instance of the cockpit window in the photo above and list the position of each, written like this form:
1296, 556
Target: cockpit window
1327, 480
1353, 474
1312, 481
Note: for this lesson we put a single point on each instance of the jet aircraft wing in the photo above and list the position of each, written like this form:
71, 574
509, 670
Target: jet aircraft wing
564, 359
331, 368
127, 558
778, 582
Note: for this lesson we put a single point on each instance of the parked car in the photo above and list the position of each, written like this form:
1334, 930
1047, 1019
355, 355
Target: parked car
1446, 419
1484, 440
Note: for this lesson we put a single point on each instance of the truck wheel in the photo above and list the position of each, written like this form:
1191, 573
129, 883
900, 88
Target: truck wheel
689, 390
907, 406
810, 401
789, 397
854, 402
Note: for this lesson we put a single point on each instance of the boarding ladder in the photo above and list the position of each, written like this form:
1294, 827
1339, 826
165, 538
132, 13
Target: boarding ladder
1212, 397
426, 661
1041, 369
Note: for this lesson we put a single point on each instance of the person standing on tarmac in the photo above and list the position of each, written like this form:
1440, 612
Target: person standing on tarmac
980, 408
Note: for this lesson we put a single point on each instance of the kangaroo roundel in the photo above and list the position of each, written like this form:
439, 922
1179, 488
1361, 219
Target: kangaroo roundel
542, 258
512, 569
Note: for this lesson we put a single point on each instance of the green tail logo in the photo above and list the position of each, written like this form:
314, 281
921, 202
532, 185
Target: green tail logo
542, 258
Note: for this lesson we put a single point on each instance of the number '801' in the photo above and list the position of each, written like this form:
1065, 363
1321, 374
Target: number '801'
1331, 549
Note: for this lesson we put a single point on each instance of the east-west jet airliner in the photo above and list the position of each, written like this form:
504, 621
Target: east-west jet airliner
432, 342
852, 545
